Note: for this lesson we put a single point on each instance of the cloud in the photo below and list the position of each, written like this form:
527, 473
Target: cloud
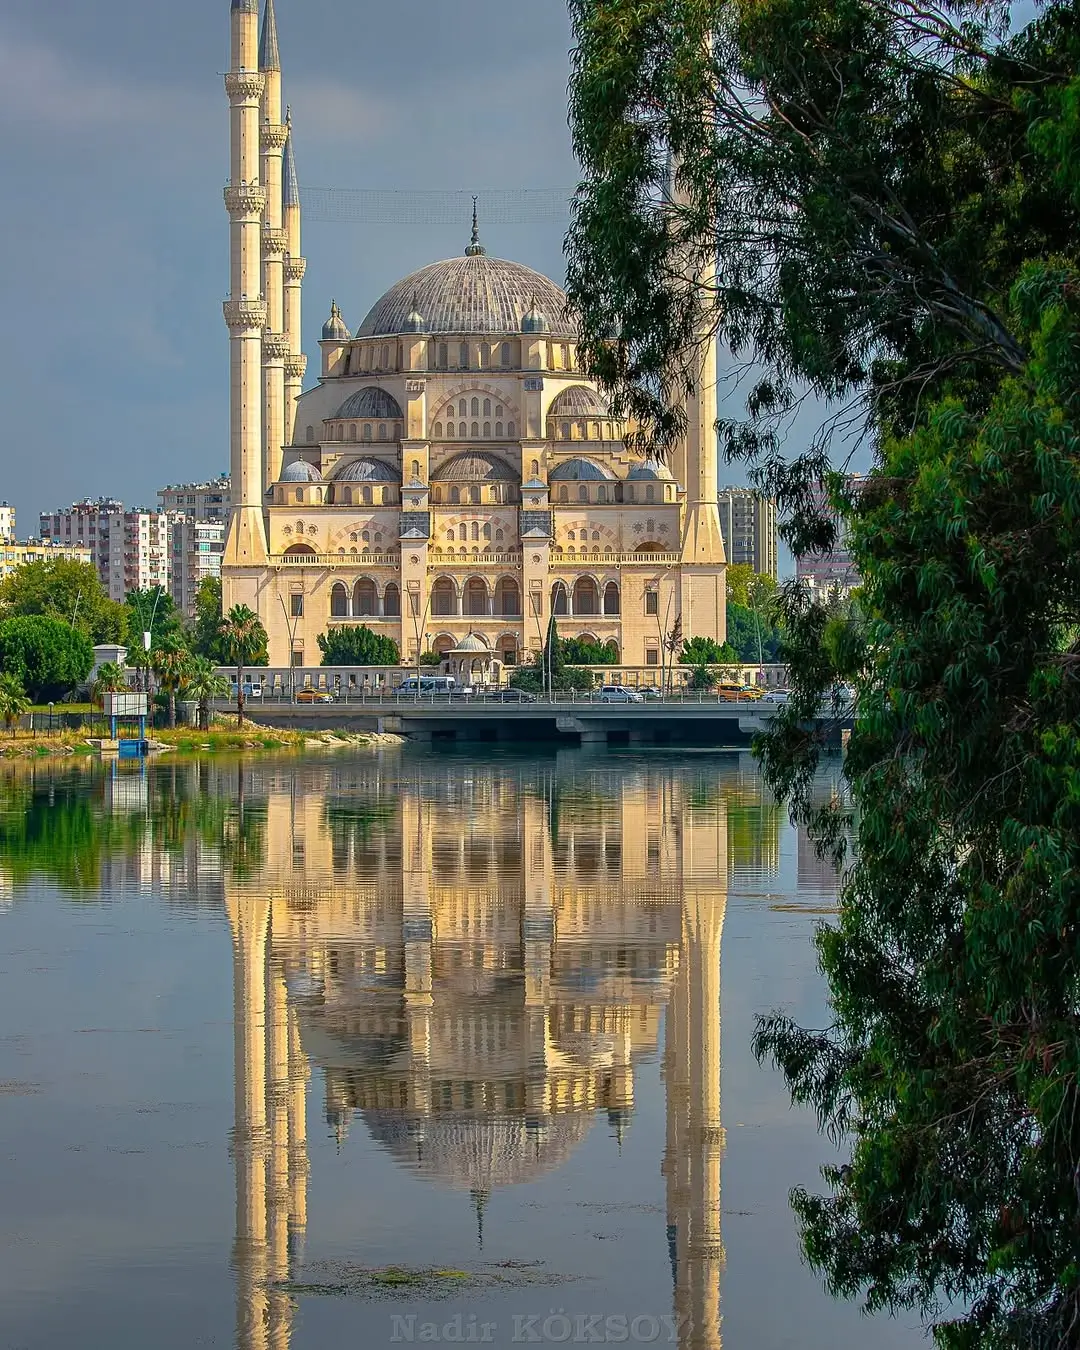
332, 112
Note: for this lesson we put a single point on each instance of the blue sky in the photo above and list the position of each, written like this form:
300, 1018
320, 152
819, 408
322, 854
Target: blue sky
114, 156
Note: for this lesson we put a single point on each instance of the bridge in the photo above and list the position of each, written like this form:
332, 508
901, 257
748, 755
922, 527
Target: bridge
700, 720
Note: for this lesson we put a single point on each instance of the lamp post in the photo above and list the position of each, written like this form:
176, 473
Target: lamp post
51, 706
419, 623
291, 621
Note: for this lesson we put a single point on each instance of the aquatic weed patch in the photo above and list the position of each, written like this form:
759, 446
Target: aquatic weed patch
343, 1279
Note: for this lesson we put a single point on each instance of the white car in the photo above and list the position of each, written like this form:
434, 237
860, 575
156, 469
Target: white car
618, 693
779, 696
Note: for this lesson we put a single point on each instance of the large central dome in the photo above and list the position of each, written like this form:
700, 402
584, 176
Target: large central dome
474, 294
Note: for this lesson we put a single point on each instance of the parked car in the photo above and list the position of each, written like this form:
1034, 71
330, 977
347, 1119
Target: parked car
313, 696
512, 696
750, 691
618, 693
729, 693
652, 691
776, 696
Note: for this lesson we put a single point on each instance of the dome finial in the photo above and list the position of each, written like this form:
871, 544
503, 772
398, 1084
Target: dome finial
476, 248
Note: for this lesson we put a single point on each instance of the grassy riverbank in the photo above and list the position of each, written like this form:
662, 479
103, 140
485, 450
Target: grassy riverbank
225, 735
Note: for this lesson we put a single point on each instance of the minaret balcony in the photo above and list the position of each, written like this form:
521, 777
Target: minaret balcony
295, 268
245, 86
275, 243
273, 135
295, 366
245, 201
245, 316
276, 347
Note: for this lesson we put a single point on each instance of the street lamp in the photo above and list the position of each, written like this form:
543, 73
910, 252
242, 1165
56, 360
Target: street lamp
291, 620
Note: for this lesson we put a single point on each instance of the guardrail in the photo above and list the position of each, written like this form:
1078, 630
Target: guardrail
493, 699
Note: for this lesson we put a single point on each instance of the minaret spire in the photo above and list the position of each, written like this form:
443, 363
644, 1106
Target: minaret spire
295, 265
245, 311
269, 56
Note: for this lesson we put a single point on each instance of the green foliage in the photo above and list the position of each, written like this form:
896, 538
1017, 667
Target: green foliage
244, 642
891, 194
358, 646
46, 656
110, 679
430, 660
173, 665
744, 628
576, 652
63, 589
702, 651
205, 638
151, 611
13, 701
205, 685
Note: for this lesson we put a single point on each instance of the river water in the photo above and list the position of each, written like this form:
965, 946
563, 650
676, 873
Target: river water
395, 1049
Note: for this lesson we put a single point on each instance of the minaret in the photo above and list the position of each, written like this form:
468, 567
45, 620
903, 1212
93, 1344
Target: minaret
275, 244
295, 265
245, 309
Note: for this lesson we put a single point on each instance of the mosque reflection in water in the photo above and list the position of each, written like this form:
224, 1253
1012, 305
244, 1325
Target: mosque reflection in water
477, 962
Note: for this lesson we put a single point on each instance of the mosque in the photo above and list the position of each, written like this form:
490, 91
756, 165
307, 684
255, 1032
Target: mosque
453, 478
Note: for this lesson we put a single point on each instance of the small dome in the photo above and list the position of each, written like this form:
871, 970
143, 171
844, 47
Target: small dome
579, 401
300, 471
475, 467
535, 485
366, 471
370, 402
334, 328
649, 468
472, 643
534, 321
415, 323
581, 471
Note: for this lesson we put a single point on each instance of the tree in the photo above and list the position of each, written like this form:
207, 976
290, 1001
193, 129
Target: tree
206, 639
152, 611
13, 701
878, 202
357, 647
430, 659
173, 664
110, 679
578, 652
205, 685
63, 589
47, 657
244, 641
703, 655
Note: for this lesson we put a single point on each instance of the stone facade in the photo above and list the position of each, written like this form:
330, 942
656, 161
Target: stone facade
453, 471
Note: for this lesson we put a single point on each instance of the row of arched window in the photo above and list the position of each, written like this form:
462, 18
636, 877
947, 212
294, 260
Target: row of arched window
476, 430
478, 532
585, 598
475, 598
365, 601
365, 432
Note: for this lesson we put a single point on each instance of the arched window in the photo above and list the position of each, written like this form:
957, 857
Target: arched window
444, 597
504, 354
474, 496
536, 468
475, 531
299, 527
583, 493
601, 493
586, 596
475, 427
346, 496
564, 493
387, 496
451, 431
510, 429
416, 468
385, 357
450, 535
366, 536
500, 535
475, 408
339, 601
487, 531
487, 430
499, 430
566, 356
560, 599
352, 431
564, 431
365, 598
476, 596
571, 534
367, 431
391, 601
611, 598
463, 356
382, 431
596, 536
485, 354
650, 492
463, 409
300, 494
455, 496
443, 356
507, 598
367, 496
438, 431
311, 435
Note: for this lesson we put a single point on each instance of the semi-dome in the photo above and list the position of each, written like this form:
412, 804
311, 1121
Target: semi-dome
579, 401
370, 402
300, 471
475, 466
581, 471
475, 294
367, 471
651, 469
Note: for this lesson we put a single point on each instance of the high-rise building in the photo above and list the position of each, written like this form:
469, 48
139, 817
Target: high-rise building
130, 549
748, 524
200, 501
835, 570
195, 551
453, 477
7, 523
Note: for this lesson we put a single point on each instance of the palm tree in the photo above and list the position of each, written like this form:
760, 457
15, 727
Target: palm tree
244, 639
110, 679
13, 701
138, 658
205, 684
172, 662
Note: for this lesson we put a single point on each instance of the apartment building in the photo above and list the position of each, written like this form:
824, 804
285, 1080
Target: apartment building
129, 548
748, 524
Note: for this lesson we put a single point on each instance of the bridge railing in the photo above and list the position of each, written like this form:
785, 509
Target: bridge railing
494, 698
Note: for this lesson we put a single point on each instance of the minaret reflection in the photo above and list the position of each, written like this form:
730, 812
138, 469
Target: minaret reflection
478, 966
